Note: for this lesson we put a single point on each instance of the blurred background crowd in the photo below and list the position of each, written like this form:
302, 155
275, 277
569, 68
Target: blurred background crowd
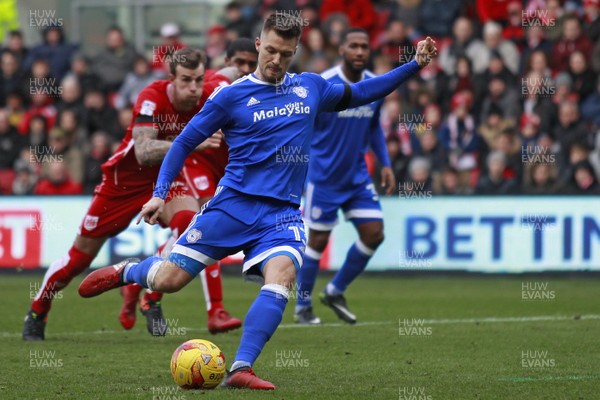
510, 106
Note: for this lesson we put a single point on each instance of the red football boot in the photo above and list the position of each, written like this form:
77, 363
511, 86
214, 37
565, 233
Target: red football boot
245, 378
104, 279
220, 321
131, 294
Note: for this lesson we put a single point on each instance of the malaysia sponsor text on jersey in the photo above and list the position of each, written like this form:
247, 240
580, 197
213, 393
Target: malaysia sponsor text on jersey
287, 110
358, 112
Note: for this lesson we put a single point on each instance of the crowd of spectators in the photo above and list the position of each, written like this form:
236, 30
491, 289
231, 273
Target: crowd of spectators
510, 106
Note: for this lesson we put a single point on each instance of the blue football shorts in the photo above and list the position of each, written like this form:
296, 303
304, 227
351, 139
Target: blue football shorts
231, 222
360, 204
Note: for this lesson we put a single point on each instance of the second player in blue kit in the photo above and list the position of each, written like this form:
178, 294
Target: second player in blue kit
265, 117
338, 179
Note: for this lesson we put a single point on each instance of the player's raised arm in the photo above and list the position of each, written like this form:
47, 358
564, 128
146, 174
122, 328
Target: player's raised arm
369, 90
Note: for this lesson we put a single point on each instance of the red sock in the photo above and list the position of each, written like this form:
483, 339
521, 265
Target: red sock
213, 287
58, 275
178, 224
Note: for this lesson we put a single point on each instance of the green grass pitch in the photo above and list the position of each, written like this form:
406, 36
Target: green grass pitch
422, 338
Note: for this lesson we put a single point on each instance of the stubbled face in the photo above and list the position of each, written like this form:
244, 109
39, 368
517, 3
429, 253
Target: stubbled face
244, 61
187, 86
274, 55
355, 51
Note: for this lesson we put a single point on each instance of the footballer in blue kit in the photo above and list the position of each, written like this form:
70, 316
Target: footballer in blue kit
338, 179
265, 117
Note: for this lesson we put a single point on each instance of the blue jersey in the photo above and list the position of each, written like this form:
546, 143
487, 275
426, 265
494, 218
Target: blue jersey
341, 139
268, 130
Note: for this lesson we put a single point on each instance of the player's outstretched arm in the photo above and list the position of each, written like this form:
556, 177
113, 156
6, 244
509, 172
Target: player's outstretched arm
369, 90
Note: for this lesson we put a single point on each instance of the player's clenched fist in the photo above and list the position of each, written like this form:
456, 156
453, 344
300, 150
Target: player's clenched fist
426, 50
151, 210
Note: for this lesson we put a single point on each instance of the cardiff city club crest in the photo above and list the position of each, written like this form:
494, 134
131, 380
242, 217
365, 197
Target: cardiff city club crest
300, 91
193, 235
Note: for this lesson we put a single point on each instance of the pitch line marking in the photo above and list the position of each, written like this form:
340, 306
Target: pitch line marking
551, 378
372, 323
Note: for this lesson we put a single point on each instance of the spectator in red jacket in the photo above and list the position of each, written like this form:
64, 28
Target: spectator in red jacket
572, 39
495, 10
57, 181
361, 13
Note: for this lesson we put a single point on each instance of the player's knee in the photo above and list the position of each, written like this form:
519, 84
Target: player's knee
318, 241
374, 239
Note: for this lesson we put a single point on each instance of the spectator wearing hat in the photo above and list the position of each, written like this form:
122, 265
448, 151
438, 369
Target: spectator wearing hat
572, 39
54, 50
56, 181
115, 61
170, 43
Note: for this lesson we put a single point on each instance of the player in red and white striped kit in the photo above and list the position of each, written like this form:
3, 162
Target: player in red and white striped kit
160, 113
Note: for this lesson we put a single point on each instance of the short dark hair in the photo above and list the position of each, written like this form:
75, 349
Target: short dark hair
241, 44
285, 24
187, 57
353, 30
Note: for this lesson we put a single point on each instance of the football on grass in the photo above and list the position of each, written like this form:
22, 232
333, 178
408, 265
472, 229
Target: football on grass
198, 364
